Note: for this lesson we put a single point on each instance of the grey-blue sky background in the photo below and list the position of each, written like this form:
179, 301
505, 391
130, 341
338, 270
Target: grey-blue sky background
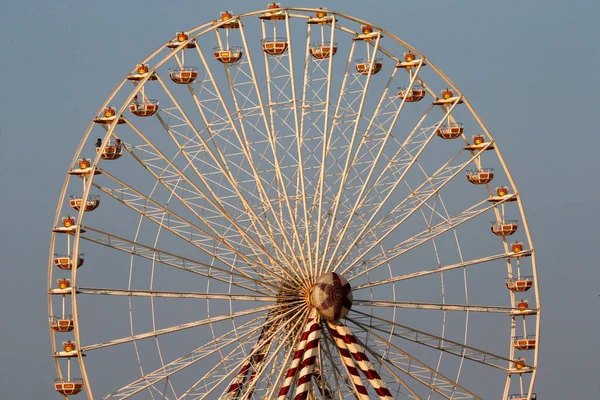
530, 68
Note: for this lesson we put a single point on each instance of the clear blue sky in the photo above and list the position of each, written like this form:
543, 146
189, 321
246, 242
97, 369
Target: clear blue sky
530, 68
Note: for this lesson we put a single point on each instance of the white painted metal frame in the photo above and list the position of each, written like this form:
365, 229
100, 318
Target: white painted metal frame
272, 174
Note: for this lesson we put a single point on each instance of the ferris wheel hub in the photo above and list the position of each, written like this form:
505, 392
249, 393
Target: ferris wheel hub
331, 296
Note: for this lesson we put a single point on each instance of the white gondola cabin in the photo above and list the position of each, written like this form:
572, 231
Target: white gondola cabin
480, 176
519, 284
364, 67
524, 342
451, 130
90, 205
180, 38
275, 46
62, 323
63, 261
144, 108
183, 75
322, 50
229, 55
108, 116
412, 95
68, 387
140, 73
504, 228
112, 151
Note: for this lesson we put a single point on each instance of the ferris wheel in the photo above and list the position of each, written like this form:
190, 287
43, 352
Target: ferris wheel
291, 203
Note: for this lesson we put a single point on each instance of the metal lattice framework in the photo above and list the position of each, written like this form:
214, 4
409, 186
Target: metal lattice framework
308, 149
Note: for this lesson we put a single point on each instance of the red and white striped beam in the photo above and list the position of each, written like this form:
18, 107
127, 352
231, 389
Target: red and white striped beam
308, 361
309, 328
359, 388
342, 333
258, 352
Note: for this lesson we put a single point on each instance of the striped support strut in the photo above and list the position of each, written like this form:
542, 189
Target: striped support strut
291, 373
345, 355
323, 386
258, 354
260, 357
308, 361
363, 362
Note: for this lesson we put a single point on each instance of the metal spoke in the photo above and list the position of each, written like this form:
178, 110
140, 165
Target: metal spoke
429, 340
271, 181
354, 271
174, 295
200, 389
197, 355
176, 261
172, 181
182, 228
441, 269
433, 306
419, 371
172, 329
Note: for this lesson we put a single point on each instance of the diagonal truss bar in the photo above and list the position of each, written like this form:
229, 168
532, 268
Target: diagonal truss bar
308, 361
173, 295
177, 328
254, 363
244, 147
342, 332
172, 182
206, 350
386, 137
221, 163
429, 340
203, 388
438, 270
316, 80
176, 261
296, 360
352, 372
268, 133
338, 375
433, 306
184, 229
326, 144
354, 270
399, 165
289, 106
171, 178
418, 370
349, 158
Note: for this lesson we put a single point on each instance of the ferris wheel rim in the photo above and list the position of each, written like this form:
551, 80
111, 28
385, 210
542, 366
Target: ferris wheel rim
121, 111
